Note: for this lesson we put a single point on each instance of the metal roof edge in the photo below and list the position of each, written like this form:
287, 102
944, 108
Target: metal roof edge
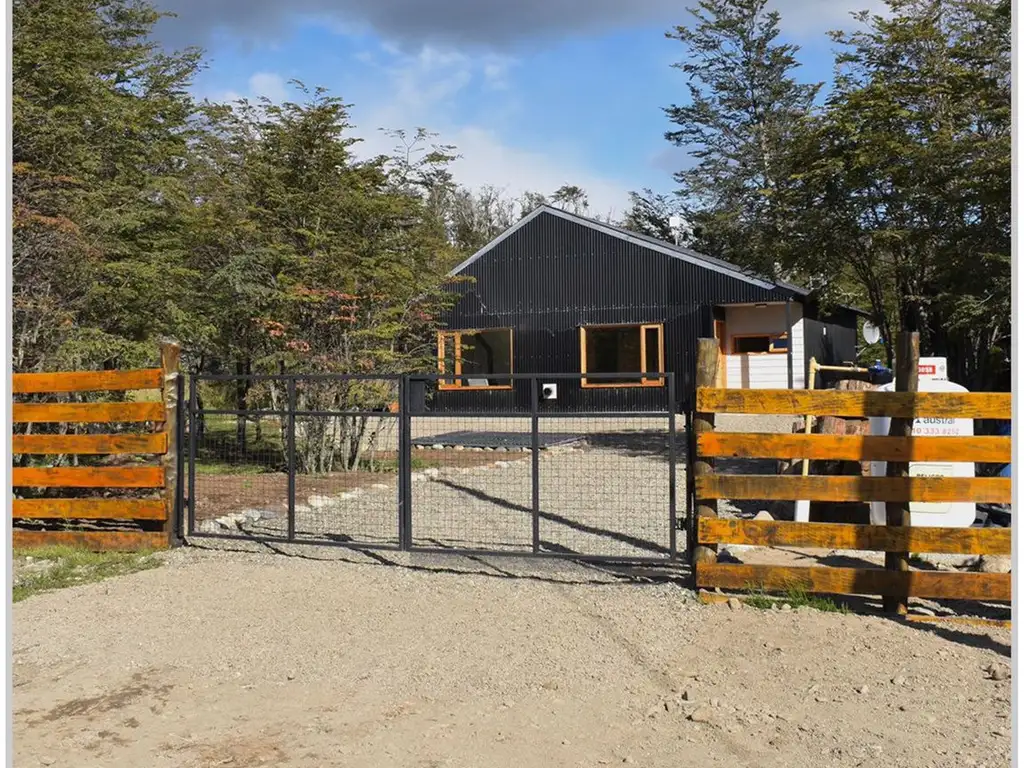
674, 251
507, 233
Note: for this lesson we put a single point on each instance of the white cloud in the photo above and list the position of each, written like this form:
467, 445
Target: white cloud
424, 89
269, 84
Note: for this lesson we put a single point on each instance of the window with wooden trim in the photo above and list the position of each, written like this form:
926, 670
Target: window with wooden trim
477, 359
760, 344
638, 349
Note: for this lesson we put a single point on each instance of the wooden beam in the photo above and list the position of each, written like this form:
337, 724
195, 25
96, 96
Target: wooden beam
90, 444
856, 581
742, 445
970, 621
87, 413
88, 477
991, 490
97, 541
89, 509
874, 538
170, 357
958, 405
704, 423
897, 511
86, 381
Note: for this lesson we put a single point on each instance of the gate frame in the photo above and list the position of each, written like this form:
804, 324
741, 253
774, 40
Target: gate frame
188, 415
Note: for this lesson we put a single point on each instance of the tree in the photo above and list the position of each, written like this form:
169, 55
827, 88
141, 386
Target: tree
904, 188
101, 124
650, 214
572, 198
334, 265
744, 105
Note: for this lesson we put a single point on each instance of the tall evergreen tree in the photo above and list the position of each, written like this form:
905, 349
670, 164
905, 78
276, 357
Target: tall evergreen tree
744, 106
100, 142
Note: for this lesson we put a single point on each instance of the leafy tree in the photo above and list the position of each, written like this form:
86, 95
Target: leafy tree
650, 214
101, 123
904, 190
744, 106
331, 265
572, 198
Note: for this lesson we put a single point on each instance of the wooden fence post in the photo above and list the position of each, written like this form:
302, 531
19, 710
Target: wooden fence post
897, 513
170, 359
707, 375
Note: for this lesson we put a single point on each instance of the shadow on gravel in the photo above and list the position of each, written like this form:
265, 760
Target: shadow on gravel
970, 639
623, 538
606, 573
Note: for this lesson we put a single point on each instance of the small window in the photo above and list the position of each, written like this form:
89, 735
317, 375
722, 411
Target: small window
635, 349
477, 359
760, 344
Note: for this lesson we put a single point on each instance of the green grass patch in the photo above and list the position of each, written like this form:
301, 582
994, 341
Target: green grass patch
58, 567
797, 597
206, 467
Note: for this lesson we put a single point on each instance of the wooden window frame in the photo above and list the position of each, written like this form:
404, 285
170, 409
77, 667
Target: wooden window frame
771, 343
456, 382
642, 329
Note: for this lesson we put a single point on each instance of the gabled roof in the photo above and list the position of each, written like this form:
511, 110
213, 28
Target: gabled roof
651, 243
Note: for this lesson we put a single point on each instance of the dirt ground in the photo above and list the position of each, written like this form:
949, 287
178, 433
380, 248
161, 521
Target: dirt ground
219, 494
338, 658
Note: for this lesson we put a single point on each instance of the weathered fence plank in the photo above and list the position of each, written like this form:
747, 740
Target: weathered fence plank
958, 405
108, 541
155, 443
90, 509
741, 445
88, 477
856, 581
876, 538
992, 490
86, 381
87, 413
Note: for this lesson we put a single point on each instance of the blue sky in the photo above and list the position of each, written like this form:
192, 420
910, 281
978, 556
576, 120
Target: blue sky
565, 91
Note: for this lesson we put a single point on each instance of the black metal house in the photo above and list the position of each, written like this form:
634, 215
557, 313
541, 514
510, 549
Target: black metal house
560, 293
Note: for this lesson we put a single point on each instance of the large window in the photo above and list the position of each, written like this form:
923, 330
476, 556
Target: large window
636, 349
476, 358
760, 344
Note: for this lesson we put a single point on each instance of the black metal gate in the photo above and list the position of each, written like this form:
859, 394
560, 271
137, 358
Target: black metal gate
397, 462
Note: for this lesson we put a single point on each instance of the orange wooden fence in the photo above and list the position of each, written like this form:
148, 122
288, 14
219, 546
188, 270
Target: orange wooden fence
896, 583
152, 517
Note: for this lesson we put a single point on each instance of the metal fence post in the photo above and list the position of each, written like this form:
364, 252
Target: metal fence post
193, 449
291, 458
535, 453
181, 414
404, 466
672, 516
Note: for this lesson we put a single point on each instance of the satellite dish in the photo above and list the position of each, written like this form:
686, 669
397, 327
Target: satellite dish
870, 332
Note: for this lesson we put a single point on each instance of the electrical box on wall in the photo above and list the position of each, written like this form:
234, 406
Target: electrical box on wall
549, 391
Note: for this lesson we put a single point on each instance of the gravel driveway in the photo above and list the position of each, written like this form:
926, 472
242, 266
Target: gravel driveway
334, 658
610, 497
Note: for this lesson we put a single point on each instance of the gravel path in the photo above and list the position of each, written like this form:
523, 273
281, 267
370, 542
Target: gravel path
610, 498
236, 659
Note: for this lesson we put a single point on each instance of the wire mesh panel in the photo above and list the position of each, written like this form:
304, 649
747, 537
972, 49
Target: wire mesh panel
365, 461
298, 458
607, 493
521, 474
471, 482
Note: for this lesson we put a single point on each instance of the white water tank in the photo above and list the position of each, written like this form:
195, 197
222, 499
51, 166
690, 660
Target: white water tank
931, 378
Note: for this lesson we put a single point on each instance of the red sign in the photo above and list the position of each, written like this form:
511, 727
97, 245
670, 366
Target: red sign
928, 370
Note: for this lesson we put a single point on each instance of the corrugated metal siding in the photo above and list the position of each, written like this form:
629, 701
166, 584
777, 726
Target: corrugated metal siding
553, 275
830, 343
